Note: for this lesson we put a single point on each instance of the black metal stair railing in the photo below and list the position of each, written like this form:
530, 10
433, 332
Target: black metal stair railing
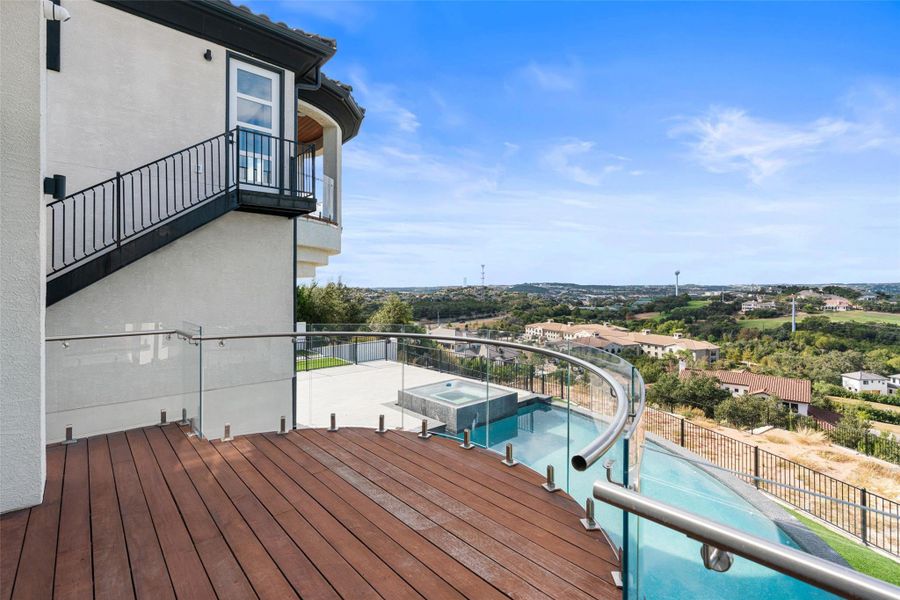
112, 212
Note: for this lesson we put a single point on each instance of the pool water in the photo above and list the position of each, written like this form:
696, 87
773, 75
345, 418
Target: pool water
456, 391
670, 564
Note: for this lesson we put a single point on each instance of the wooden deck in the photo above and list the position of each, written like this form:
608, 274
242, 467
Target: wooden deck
153, 513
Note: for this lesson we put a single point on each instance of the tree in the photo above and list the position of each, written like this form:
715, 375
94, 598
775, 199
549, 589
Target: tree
393, 311
851, 430
747, 412
703, 392
333, 303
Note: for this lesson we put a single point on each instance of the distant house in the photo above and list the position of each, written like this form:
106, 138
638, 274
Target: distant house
794, 394
865, 381
752, 305
617, 339
837, 304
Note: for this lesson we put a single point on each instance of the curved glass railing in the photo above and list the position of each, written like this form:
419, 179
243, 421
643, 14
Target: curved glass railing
560, 407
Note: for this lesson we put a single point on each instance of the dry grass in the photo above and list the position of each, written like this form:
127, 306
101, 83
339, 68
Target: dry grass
810, 437
834, 456
776, 437
691, 412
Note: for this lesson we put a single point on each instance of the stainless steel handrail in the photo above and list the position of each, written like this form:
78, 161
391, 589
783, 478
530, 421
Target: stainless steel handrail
581, 461
101, 336
795, 563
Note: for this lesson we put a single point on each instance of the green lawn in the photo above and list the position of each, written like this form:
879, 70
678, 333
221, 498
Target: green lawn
697, 303
319, 363
858, 556
856, 316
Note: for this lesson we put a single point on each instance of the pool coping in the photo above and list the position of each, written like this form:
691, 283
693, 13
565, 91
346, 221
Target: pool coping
771, 509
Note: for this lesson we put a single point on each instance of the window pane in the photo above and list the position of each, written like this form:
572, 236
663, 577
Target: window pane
257, 143
254, 85
253, 113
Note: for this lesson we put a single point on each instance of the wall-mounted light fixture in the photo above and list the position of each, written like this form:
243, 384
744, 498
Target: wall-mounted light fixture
208, 54
55, 186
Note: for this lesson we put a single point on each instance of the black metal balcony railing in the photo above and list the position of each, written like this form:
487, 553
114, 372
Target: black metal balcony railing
123, 207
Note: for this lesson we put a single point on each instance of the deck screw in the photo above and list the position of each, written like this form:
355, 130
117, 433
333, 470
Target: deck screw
509, 461
69, 438
550, 485
282, 425
467, 440
334, 426
588, 521
424, 434
381, 428
184, 418
227, 437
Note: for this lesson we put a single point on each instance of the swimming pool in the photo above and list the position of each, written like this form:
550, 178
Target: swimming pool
670, 565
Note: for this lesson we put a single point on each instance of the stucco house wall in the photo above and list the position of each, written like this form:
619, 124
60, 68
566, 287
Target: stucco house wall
22, 95
232, 275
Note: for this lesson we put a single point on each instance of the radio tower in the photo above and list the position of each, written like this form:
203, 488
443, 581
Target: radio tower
483, 289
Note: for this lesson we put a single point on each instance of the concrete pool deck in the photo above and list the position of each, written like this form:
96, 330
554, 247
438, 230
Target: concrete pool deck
357, 394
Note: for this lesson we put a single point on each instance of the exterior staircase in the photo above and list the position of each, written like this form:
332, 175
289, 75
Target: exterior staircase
101, 229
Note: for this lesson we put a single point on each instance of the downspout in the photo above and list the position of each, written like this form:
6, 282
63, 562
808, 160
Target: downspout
310, 87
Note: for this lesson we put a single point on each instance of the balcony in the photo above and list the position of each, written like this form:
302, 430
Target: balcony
320, 461
98, 230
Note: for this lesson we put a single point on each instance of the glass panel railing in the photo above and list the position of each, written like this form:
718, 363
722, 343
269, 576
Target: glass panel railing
248, 383
130, 376
661, 561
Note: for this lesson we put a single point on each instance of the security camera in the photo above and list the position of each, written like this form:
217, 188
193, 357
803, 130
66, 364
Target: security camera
55, 12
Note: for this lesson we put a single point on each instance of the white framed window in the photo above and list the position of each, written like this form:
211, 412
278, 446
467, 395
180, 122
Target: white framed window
254, 105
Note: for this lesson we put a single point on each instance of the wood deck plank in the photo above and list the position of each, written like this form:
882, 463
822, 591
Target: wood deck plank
186, 570
277, 467
153, 513
12, 534
34, 578
573, 542
227, 576
149, 574
112, 575
451, 571
74, 564
405, 564
486, 566
476, 528
245, 541
582, 567
323, 571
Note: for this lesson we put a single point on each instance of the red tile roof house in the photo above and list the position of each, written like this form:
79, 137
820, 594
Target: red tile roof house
795, 394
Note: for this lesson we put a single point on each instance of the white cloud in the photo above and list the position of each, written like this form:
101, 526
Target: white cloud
553, 78
577, 161
381, 103
727, 140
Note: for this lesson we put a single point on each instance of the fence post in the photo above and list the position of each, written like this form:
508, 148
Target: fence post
682, 432
756, 466
355, 352
867, 448
863, 513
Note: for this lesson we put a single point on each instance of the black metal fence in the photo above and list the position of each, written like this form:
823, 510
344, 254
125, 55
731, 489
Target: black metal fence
111, 212
872, 518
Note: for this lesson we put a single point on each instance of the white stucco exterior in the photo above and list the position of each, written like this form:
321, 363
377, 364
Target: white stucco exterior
22, 95
131, 91
230, 276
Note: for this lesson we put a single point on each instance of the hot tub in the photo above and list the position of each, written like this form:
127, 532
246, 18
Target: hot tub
459, 403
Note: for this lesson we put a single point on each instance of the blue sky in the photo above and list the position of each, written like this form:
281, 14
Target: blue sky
613, 143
